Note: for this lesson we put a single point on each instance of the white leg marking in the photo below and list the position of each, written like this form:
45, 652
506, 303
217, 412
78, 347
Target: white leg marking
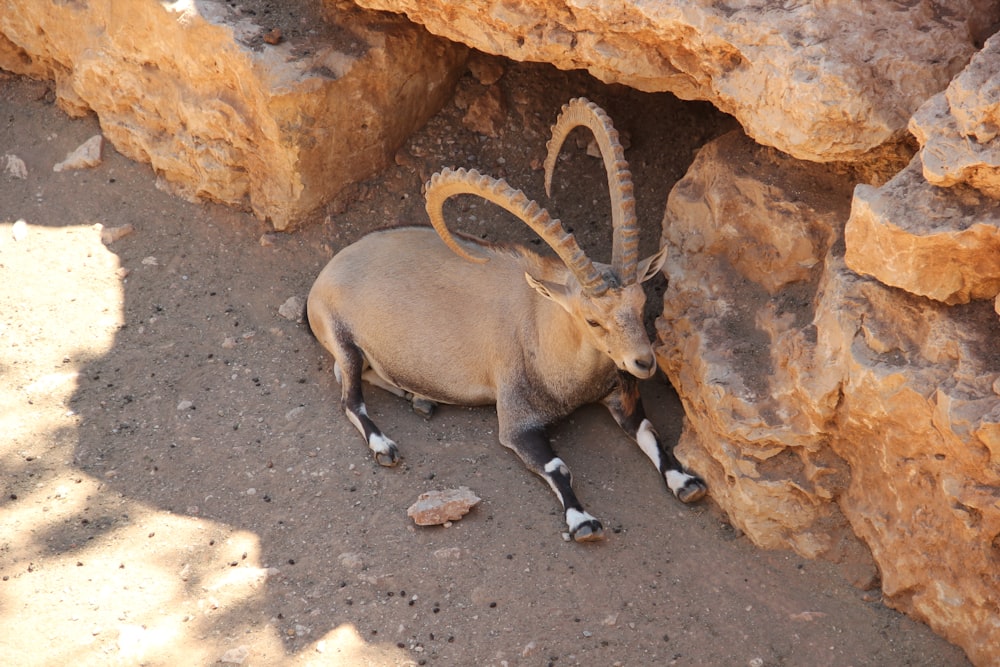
357, 422
337, 374
576, 518
556, 464
677, 480
380, 444
646, 437
552, 466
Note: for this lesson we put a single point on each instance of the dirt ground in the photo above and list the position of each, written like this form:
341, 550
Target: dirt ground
179, 486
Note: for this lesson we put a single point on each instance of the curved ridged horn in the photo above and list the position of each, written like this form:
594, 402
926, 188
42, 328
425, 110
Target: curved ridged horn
625, 244
450, 182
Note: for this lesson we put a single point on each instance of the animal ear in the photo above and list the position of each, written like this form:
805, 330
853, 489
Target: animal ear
548, 289
651, 265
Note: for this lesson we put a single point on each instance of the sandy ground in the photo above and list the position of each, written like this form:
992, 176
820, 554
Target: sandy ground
179, 486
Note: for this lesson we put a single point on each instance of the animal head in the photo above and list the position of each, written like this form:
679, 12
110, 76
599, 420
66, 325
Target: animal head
604, 300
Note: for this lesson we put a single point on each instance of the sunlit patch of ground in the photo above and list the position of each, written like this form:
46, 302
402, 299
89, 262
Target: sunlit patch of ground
89, 576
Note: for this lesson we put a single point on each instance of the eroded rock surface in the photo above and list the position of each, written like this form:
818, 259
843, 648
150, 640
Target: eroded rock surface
823, 404
958, 129
827, 81
193, 89
748, 230
941, 243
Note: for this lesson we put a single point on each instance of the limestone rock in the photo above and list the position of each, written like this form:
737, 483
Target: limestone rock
942, 243
193, 89
86, 155
434, 508
820, 81
919, 425
957, 129
14, 166
747, 231
825, 404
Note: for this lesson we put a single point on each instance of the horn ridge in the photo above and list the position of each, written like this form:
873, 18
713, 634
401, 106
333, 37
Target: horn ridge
582, 112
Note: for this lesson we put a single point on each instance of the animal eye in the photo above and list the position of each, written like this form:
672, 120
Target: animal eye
593, 323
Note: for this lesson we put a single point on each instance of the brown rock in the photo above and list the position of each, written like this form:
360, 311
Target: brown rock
434, 508
942, 243
281, 129
860, 69
958, 129
85, 156
748, 229
827, 404
486, 113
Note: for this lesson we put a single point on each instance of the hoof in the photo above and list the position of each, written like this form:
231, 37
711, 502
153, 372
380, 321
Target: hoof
385, 450
424, 407
387, 459
589, 531
693, 491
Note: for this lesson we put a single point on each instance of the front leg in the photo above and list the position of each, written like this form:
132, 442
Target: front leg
531, 444
626, 407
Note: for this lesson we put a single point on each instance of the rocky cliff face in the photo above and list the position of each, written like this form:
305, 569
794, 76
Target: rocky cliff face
279, 125
824, 405
820, 81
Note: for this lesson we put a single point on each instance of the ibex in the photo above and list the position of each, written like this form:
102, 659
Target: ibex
467, 322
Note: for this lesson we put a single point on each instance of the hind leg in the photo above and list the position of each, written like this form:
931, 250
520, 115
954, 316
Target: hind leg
349, 367
422, 406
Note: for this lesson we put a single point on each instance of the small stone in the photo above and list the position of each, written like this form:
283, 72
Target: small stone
20, 230
448, 553
293, 309
435, 508
185, 405
487, 113
111, 234
236, 656
487, 70
88, 154
273, 37
15, 166
150, 261
228, 343
351, 560
294, 413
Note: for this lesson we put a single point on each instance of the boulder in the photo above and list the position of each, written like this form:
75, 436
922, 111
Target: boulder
820, 81
941, 243
229, 109
748, 230
825, 407
958, 129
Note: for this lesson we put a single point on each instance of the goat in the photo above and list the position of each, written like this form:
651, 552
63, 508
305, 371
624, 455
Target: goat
470, 323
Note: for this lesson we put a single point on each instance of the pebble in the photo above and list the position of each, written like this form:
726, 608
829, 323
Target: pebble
87, 154
236, 656
15, 166
435, 508
293, 309
351, 560
20, 230
185, 405
111, 234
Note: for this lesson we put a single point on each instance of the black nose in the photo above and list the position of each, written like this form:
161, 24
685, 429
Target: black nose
645, 365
